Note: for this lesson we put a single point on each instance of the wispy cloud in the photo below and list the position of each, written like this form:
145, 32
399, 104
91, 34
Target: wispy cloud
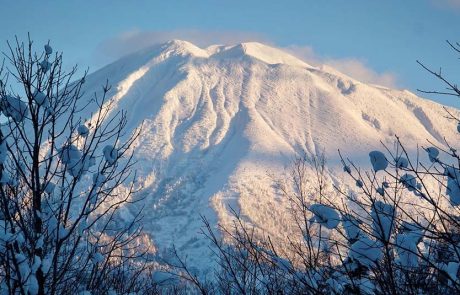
447, 4
134, 40
354, 67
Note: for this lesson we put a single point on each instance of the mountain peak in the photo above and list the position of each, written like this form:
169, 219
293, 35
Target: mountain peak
271, 55
182, 47
259, 51
215, 126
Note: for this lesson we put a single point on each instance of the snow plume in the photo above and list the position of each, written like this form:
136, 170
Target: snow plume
134, 40
354, 67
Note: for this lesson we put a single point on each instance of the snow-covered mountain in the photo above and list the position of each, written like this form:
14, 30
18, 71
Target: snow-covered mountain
219, 122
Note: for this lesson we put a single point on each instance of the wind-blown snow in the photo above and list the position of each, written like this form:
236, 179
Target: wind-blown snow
218, 120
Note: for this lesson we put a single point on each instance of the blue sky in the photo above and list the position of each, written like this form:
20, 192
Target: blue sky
376, 41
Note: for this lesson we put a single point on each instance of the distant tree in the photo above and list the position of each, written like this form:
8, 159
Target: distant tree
63, 178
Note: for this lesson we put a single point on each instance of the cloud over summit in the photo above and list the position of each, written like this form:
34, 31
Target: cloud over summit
134, 40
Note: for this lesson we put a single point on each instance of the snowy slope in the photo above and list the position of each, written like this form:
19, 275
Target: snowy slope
218, 121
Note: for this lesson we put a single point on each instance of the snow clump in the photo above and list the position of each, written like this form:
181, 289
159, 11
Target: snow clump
433, 154
366, 251
110, 154
325, 215
382, 220
82, 130
378, 160
48, 49
14, 108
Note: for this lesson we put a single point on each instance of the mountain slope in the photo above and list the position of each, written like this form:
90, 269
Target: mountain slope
218, 121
